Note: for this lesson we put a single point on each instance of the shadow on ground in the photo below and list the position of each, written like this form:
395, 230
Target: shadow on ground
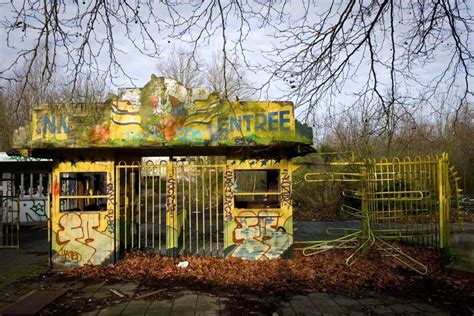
25, 270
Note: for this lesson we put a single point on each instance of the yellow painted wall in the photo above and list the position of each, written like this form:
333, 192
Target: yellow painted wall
49, 125
83, 237
265, 233
164, 113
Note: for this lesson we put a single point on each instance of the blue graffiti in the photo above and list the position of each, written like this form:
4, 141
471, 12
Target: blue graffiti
188, 134
55, 125
278, 121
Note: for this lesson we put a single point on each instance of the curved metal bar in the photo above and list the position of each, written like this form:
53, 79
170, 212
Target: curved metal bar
402, 257
356, 212
343, 242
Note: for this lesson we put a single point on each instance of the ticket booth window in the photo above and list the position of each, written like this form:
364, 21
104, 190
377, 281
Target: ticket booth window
83, 191
254, 189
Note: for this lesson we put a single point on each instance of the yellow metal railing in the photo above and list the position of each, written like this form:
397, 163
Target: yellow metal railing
399, 199
173, 207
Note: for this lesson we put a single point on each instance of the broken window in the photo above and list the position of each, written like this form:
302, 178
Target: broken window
256, 189
83, 191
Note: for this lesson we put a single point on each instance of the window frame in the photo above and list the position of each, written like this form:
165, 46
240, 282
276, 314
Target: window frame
78, 197
266, 194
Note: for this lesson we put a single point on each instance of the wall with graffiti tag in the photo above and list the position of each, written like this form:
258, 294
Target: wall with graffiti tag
164, 113
256, 209
258, 200
28, 192
261, 234
83, 221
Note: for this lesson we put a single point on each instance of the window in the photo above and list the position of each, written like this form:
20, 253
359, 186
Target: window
32, 185
83, 191
256, 189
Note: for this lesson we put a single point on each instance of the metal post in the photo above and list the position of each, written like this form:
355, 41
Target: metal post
364, 209
117, 222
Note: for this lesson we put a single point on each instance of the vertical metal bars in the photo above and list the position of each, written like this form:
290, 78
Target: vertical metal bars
403, 199
141, 206
191, 225
199, 196
10, 217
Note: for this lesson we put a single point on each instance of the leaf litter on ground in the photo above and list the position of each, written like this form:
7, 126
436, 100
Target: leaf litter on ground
325, 272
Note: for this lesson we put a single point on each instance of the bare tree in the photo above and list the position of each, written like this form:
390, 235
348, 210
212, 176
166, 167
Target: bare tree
416, 134
17, 98
193, 71
183, 66
81, 37
376, 50
235, 86
75, 38
378, 47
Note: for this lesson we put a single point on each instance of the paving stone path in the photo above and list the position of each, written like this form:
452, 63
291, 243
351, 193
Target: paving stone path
105, 302
193, 303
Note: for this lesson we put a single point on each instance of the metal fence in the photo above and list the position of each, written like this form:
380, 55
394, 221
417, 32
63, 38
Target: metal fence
9, 219
172, 207
406, 199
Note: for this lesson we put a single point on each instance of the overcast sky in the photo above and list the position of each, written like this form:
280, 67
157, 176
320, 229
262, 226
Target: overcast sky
141, 67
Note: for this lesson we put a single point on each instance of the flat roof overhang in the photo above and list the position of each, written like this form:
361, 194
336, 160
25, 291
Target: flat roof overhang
124, 153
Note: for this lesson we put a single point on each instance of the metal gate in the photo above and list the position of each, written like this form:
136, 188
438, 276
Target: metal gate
171, 207
398, 199
405, 200
9, 217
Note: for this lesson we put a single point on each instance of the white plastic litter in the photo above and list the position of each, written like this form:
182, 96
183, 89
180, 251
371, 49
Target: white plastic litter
183, 264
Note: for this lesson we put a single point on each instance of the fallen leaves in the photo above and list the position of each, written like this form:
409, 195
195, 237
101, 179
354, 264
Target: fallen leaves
326, 272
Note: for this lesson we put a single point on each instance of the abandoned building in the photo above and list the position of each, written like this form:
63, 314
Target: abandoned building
23, 188
170, 170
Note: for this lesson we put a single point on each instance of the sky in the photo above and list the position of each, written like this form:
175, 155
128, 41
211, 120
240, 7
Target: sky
141, 67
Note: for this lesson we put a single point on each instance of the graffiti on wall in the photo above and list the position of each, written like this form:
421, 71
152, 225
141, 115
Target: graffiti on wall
82, 237
286, 187
36, 211
228, 193
50, 125
258, 162
163, 112
166, 112
110, 190
260, 234
54, 124
8, 202
80, 240
27, 202
170, 195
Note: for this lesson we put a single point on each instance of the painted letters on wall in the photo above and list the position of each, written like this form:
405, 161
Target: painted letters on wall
80, 240
79, 236
261, 233
164, 113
